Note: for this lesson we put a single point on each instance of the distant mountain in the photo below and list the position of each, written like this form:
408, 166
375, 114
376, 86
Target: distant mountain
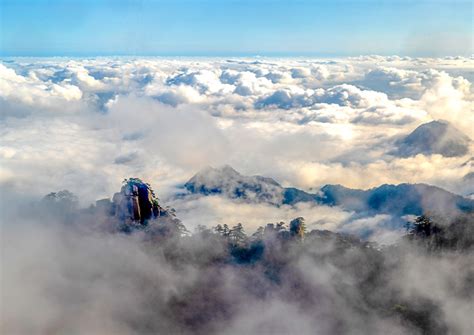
232, 184
399, 199
436, 137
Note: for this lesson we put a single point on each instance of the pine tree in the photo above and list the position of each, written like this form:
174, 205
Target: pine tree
422, 227
225, 230
219, 229
258, 235
428, 232
237, 234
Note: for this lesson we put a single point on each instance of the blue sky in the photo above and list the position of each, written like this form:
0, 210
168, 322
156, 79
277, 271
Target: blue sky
238, 27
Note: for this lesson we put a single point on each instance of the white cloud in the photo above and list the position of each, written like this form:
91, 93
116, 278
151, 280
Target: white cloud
87, 124
29, 91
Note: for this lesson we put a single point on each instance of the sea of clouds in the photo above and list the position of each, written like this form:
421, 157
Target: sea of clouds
86, 124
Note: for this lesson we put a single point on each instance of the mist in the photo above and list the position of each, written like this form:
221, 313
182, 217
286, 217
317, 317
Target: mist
67, 270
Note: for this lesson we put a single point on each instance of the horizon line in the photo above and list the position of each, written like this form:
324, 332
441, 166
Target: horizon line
225, 54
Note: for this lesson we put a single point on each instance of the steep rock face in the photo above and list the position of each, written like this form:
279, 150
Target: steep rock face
135, 202
298, 228
436, 137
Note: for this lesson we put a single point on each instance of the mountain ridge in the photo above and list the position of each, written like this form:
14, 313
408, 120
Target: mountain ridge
401, 199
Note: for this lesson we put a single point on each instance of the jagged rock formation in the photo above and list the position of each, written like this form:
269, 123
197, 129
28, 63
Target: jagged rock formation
136, 207
436, 137
297, 228
136, 202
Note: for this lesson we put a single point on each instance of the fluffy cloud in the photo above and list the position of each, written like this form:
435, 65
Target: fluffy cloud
86, 124
450, 99
19, 93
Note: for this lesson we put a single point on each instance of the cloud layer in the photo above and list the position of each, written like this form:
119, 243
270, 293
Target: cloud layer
85, 124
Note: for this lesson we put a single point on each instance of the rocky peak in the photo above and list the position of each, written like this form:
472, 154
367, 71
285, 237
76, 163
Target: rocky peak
136, 201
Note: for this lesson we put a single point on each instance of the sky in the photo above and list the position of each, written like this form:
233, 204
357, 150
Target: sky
237, 27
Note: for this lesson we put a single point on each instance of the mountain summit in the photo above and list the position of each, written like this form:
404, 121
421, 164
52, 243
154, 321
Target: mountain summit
227, 181
436, 137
